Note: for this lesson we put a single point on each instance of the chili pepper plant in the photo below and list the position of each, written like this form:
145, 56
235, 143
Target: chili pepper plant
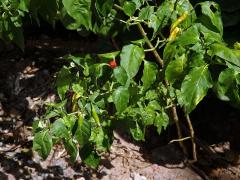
178, 60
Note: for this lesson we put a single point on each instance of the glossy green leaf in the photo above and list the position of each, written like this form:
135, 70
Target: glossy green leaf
131, 59
189, 37
120, 75
211, 16
231, 56
121, 98
42, 143
209, 36
149, 74
129, 8
194, 87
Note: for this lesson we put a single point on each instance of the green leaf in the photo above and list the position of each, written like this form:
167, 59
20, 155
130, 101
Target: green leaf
148, 116
194, 87
72, 149
162, 16
137, 133
189, 36
80, 10
42, 143
129, 8
108, 56
138, 3
63, 81
161, 121
89, 156
175, 69
104, 6
146, 12
83, 131
59, 130
120, 75
131, 59
47, 10
211, 16
149, 74
121, 98
209, 36
231, 56
100, 137
228, 86
24, 5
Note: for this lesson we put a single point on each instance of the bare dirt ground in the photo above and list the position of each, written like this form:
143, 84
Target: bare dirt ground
26, 83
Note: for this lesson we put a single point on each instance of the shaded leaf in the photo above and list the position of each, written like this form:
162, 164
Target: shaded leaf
175, 69
83, 131
89, 156
72, 149
227, 87
63, 81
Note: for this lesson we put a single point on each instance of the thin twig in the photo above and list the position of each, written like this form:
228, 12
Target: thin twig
178, 140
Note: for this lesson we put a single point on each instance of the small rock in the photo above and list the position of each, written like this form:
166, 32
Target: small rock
137, 176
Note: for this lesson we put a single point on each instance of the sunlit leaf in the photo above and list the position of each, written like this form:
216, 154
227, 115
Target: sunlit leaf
194, 87
42, 143
131, 59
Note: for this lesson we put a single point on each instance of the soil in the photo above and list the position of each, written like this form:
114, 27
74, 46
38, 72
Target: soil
27, 82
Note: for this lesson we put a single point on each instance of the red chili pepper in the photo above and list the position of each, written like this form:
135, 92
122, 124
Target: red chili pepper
112, 64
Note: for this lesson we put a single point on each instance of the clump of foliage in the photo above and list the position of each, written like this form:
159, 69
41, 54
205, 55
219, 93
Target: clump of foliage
190, 58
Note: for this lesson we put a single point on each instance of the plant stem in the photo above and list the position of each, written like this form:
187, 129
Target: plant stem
150, 45
173, 108
194, 152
